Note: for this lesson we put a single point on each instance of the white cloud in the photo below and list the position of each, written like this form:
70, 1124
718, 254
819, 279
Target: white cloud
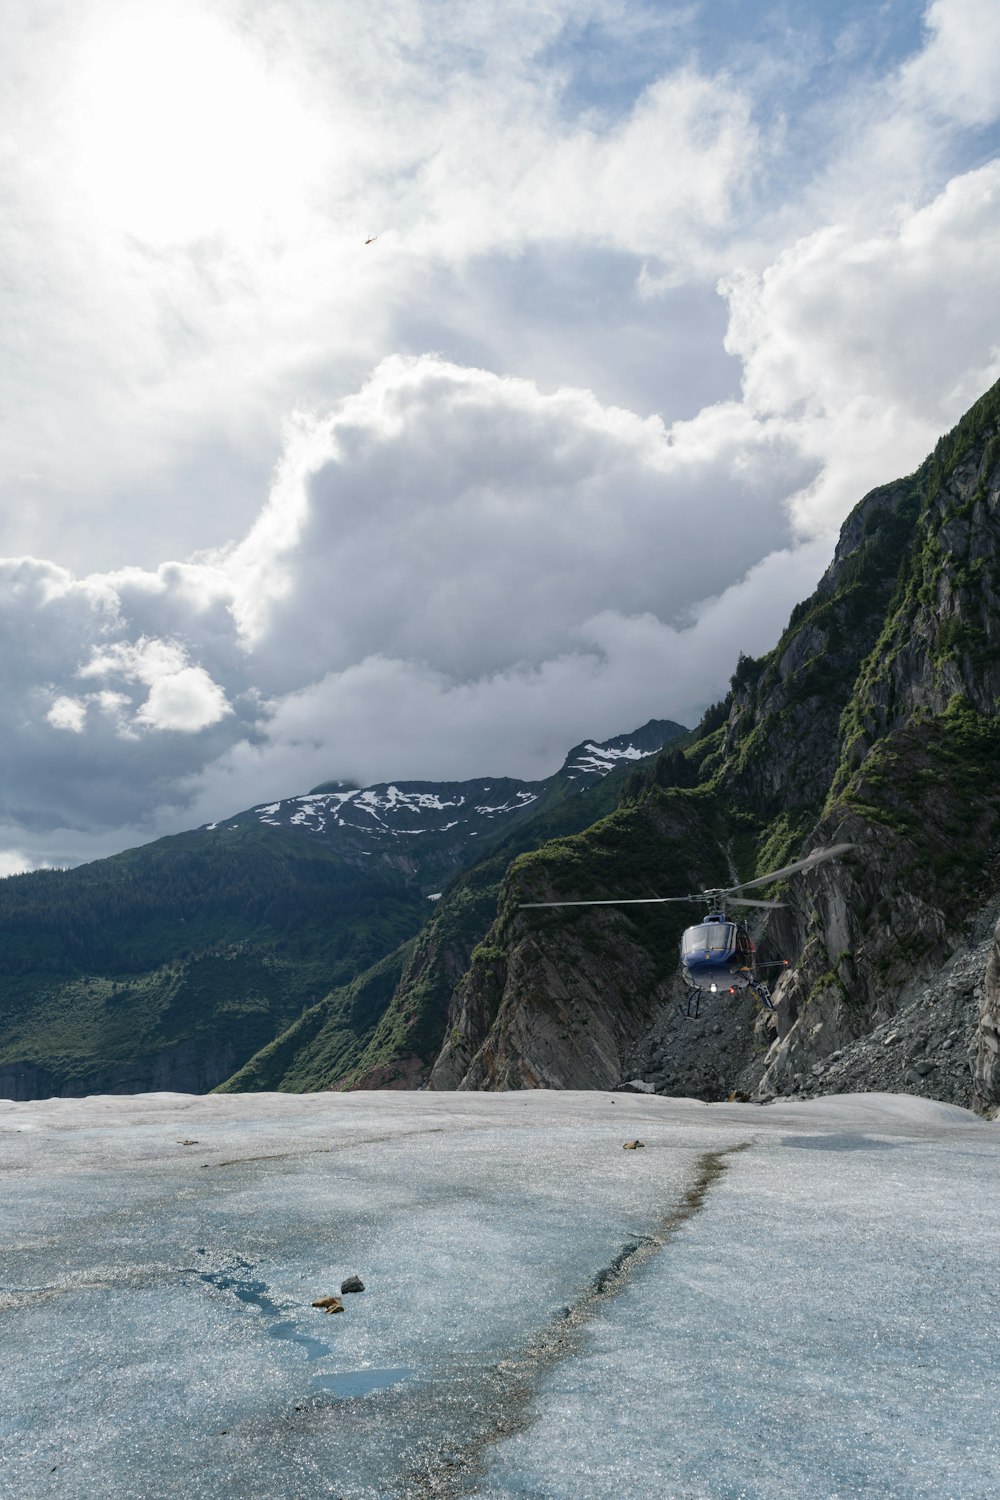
13, 862
652, 183
956, 74
68, 713
186, 701
143, 660
440, 495
181, 697
868, 346
184, 277
241, 150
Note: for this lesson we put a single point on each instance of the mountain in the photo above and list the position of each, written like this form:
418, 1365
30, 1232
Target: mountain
170, 965
423, 829
386, 1028
874, 722
294, 947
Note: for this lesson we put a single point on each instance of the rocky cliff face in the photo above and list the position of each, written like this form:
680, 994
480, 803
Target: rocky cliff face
584, 1014
986, 1059
941, 636
932, 1045
916, 787
874, 721
560, 998
780, 748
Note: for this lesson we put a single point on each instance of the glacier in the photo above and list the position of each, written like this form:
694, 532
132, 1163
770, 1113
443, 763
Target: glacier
760, 1301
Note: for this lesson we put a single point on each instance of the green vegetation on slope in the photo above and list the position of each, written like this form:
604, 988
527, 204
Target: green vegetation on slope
664, 845
328, 1039
936, 783
199, 943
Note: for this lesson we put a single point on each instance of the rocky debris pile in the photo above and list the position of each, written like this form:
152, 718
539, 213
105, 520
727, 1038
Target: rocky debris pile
986, 1067
927, 1048
695, 1057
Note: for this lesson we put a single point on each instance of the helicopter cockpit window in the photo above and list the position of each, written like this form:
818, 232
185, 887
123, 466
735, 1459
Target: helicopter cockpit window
710, 937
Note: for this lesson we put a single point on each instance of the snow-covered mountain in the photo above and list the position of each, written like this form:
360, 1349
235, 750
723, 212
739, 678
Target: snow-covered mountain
414, 822
593, 760
395, 810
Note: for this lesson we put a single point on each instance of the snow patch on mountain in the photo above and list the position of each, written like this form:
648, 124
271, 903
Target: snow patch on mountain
602, 759
523, 799
366, 818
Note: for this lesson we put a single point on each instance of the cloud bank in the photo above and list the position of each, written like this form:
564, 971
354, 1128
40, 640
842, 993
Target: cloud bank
428, 510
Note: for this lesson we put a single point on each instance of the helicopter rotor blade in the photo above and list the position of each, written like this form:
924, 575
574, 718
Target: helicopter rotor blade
748, 901
624, 901
815, 858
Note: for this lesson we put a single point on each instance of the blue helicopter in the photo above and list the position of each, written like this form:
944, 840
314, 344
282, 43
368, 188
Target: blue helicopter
718, 956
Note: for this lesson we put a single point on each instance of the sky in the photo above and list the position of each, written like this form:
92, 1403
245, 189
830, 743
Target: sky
412, 390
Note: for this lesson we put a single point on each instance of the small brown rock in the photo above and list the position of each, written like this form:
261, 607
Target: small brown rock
329, 1304
634, 1146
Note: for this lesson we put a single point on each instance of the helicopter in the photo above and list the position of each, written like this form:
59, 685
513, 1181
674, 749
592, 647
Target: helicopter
718, 954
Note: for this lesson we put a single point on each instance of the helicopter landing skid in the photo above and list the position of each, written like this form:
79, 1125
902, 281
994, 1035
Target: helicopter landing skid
692, 1009
763, 994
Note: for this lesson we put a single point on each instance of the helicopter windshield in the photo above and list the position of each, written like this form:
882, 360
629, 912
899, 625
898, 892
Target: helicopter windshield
710, 937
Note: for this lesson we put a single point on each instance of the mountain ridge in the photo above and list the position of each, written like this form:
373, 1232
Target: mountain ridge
360, 822
170, 965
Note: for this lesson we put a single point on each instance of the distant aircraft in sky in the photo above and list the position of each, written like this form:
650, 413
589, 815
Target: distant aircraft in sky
371, 239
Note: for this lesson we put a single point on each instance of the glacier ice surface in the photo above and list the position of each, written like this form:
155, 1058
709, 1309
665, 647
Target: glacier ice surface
822, 1323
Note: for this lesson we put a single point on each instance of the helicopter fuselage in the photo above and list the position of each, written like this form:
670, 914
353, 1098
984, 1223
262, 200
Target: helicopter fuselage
717, 954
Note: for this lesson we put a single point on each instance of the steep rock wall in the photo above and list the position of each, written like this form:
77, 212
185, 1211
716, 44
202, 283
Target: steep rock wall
986, 1061
874, 721
917, 790
559, 998
555, 1015
941, 636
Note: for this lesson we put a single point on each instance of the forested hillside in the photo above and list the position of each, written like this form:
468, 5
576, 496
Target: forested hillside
170, 965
